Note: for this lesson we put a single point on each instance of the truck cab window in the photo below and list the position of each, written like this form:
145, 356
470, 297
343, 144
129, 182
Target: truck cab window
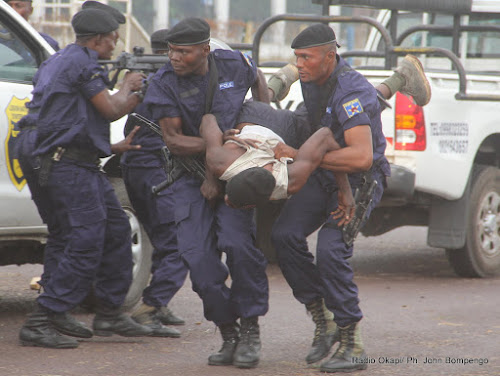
17, 62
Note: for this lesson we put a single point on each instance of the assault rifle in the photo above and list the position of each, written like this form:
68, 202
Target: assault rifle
135, 62
176, 165
363, 198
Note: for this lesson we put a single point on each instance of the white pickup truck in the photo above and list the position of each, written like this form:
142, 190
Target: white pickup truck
22, 234
445, 157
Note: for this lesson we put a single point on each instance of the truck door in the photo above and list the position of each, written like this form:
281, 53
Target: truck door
20, 56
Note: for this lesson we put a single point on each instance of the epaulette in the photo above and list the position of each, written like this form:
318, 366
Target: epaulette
226, 54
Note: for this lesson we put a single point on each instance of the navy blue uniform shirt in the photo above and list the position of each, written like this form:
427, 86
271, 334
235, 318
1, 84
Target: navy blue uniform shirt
150, 143
64, 85
51, 41
354, 102
171, 96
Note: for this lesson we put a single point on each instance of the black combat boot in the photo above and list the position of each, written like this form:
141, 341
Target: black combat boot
350, 356
325, 334
38, 331
225, 355
247, 352
147, 316
64, 323
109, 321
167, 317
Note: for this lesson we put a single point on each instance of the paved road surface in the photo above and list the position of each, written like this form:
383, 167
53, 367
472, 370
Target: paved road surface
415, 309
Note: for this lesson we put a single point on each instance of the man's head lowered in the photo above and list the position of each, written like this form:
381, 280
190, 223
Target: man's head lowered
252, 187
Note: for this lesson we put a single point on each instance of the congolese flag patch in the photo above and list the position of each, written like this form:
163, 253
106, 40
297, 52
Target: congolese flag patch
353, 107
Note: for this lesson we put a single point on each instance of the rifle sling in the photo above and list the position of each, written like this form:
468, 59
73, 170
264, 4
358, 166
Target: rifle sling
213, 80
327, 92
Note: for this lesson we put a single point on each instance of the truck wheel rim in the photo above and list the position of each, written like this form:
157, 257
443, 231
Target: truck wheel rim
489, 224
136, 241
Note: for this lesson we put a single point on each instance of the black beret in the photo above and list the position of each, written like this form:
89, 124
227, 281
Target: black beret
251, 187
118, 16
159, 40
189, 31
315, 35
93, 21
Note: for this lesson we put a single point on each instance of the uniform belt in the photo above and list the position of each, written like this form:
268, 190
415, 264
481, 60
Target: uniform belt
74, 154
80, 155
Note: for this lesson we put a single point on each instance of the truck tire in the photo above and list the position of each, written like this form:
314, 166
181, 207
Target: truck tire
141, 248
480, 257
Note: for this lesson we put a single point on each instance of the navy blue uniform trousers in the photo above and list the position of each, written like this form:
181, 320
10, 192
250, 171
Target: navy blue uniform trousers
56, 240
331, 277
98, 234
156, 213
203, 232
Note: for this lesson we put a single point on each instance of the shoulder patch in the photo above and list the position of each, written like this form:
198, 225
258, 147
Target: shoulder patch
353, 107
226, 54
247, 59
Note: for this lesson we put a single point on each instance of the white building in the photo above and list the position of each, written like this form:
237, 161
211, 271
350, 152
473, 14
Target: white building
54, 18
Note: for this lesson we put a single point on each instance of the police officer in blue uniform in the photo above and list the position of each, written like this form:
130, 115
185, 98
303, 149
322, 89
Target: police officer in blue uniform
177, 97
23, 151
340, 98
142, 169
74, 110
25, 145
25, 9
159, 44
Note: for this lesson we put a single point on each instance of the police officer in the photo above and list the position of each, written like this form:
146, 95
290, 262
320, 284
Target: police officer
25, 9
142, 169
178, 96
23, 150
74, 110
159, 44
340, 98
25, 144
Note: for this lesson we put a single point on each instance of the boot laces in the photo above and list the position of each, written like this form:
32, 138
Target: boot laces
318, 318
229, 332
346, 339
249, 332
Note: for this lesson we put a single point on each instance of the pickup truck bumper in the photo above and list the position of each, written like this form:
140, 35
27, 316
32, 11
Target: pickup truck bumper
400, 185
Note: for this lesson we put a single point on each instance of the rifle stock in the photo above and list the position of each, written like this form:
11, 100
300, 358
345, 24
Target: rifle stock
188, 164
363, 198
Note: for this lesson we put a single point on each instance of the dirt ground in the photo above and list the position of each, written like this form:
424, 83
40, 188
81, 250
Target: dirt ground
420, 319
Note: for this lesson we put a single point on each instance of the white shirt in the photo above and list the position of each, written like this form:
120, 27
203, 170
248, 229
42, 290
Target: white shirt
260, 157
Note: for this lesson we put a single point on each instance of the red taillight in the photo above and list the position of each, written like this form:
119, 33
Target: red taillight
410, 125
